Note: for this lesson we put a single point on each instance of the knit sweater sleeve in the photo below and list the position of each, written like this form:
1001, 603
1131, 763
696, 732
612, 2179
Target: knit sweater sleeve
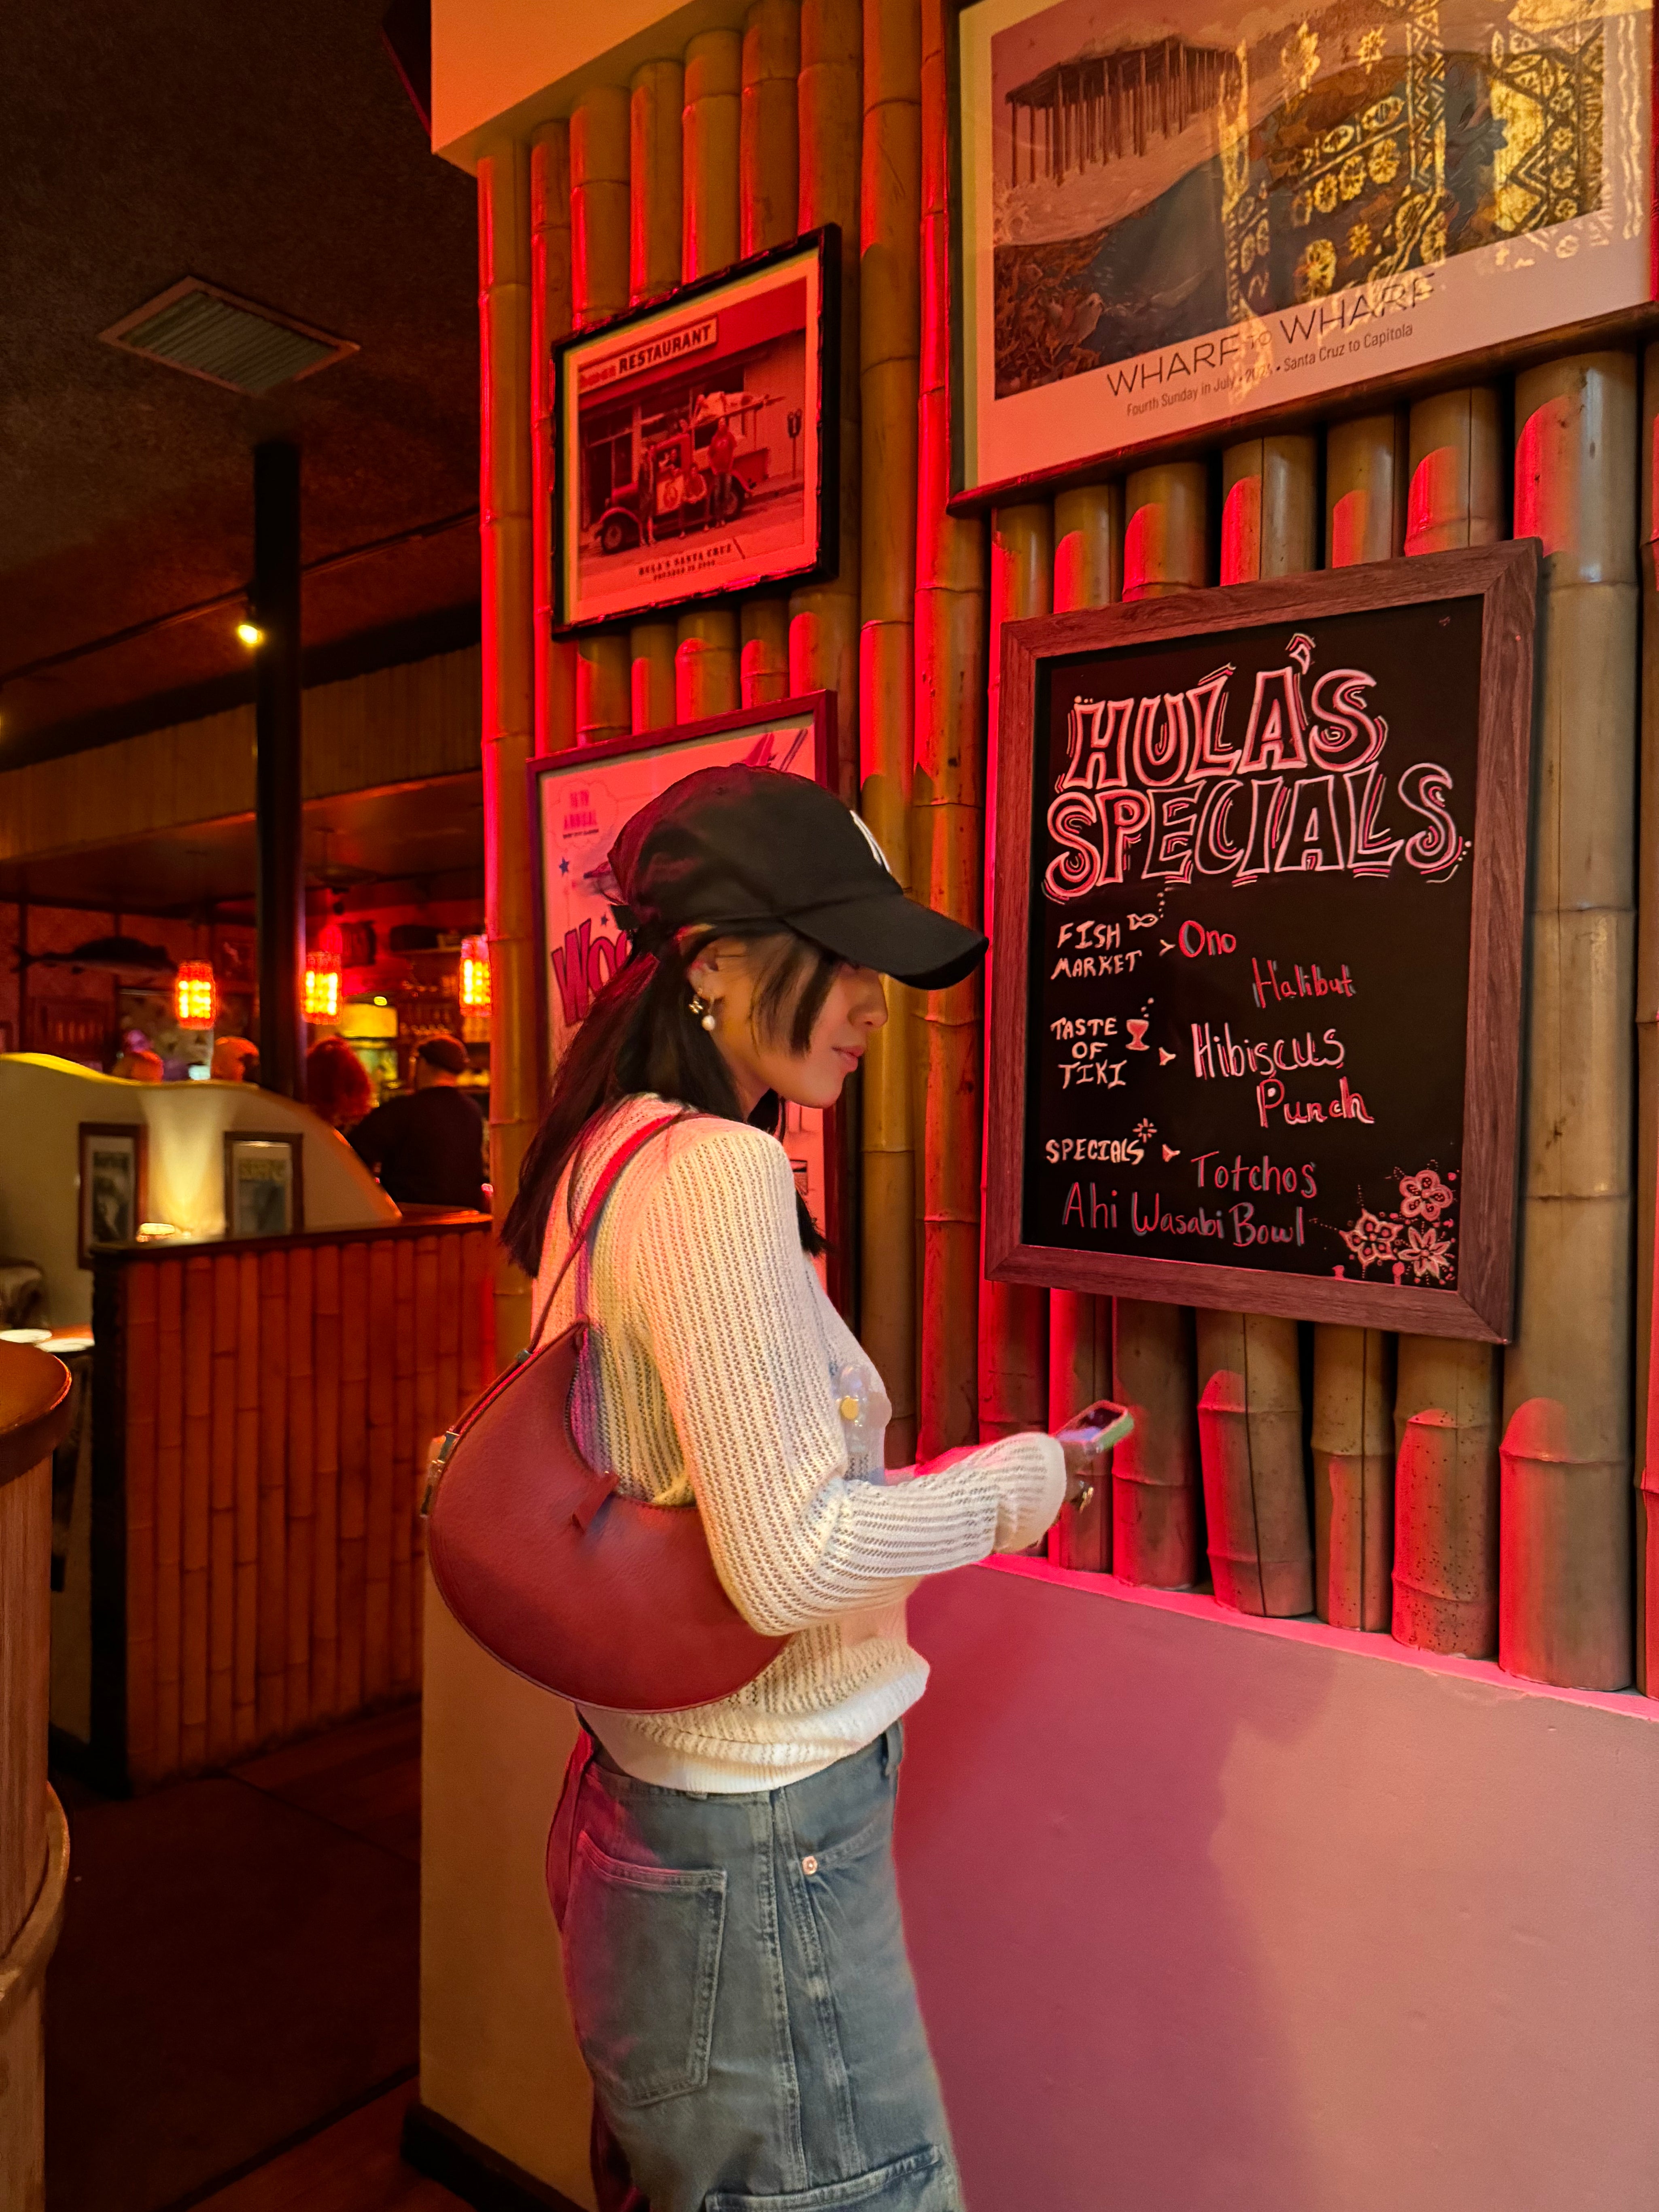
720, 1285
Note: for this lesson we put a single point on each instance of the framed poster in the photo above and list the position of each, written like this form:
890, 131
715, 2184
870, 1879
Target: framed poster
697, 440
114, 1162
1260, 868
578, 801
1205, 213
264, 1191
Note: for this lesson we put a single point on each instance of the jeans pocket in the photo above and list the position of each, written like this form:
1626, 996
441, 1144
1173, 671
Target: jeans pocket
926, 2181
642, 1961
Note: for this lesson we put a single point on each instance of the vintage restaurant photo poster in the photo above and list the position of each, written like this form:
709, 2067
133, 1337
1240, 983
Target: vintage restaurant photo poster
695, 457
1175, 218
579, 801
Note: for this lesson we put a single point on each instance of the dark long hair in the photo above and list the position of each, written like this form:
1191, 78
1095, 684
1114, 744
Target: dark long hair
642, 1035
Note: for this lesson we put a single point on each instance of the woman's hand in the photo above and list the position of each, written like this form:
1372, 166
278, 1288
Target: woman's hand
1085, 1440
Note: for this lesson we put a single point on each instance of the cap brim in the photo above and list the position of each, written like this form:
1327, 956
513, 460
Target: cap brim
898, 937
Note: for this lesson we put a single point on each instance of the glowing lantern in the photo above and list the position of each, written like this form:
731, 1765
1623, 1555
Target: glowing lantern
195, 995
322, 987
475, 974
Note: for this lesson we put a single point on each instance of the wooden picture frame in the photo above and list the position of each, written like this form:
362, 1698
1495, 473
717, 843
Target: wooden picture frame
1040, 654
638, 411
113, 1158
1111, 297
578, 946
256, 1202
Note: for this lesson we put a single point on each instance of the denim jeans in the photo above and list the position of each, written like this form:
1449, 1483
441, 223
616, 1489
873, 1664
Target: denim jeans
740, 1991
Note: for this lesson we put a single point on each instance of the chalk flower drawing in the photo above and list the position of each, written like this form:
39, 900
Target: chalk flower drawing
1423, 1197
1411, 1240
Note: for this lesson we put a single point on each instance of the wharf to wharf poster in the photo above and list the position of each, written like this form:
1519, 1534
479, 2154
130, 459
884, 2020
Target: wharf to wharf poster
1172, 218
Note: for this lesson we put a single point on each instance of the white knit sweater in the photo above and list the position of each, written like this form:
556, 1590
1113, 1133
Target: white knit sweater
723, 1373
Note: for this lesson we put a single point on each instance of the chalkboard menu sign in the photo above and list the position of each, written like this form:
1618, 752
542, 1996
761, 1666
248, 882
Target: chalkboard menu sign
1258, 927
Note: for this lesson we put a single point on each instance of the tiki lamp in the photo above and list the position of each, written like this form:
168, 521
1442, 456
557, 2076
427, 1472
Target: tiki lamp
475, 976
195, 995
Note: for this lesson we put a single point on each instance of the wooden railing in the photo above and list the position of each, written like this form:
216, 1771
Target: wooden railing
262, 1410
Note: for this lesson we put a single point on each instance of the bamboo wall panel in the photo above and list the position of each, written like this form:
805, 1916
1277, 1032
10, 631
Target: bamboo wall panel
890, 339
1564, 1598
1153, 1353
1249, 1407
769, 148
1088, 532
1353, 1435
600, 230
763, 651
655, 180
552, 317
1013, 1317
505, 473
275, 1410
1446, 1475
947, 819
823, 618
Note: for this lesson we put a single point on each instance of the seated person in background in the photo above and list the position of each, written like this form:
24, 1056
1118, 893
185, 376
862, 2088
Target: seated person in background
336, 1084
427, 1146
235, 1060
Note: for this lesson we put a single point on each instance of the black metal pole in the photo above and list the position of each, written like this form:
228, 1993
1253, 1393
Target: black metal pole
280, 882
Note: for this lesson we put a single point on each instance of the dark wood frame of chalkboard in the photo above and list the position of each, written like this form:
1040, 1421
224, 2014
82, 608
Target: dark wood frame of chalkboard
1481, 1306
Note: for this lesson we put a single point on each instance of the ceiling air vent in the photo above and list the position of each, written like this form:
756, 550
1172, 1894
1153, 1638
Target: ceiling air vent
213, 334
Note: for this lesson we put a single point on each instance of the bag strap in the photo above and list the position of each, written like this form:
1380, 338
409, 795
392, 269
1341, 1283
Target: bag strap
602, 1189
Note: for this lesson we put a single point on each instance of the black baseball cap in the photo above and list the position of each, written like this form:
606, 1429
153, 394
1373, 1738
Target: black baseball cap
739, 847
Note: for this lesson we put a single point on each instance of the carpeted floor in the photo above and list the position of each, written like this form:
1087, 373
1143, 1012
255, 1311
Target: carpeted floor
234, 1970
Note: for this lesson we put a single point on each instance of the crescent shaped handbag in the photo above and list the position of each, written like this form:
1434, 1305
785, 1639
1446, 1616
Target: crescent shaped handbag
604, 1598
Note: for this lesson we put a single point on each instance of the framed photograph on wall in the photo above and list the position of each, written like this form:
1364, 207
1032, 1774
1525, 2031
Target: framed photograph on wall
1211, 213
697, 440
114, 1162
578, 801
264, 1185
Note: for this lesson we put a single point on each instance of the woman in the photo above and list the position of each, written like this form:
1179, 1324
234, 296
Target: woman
336, 1084
724, 1877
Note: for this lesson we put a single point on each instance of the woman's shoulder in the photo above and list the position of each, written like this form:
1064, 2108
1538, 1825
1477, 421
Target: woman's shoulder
694, 1148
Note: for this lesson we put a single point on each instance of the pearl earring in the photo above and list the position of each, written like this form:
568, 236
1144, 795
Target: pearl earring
702, 1010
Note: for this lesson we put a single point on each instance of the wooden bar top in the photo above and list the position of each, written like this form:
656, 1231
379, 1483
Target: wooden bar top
34, 1407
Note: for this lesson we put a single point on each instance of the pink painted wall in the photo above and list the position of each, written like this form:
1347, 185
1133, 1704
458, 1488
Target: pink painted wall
1213, 1912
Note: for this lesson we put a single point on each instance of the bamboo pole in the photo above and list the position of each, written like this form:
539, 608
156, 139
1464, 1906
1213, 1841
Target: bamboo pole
1088, 573
1564, 1520
138, 1349
600, 226
889, 340
169, 1512
1366, 475
244, 1662
769, 163
426, 1426
823, 618
707, 638
400, 1500
506, 447
382, 1469
354, 1469
1446, 1475
551, 313
947, 817
1249, 1381
656, 203
769, 128
221, 1508
1013, 1317
763, 652
326, 1548
301, 1489
196, 1510
1647, 1044
1353, 1444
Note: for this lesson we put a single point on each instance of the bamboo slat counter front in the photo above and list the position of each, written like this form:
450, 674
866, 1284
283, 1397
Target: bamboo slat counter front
262, 1409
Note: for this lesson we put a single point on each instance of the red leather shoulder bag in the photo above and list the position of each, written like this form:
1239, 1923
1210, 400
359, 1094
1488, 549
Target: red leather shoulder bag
607, 1600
